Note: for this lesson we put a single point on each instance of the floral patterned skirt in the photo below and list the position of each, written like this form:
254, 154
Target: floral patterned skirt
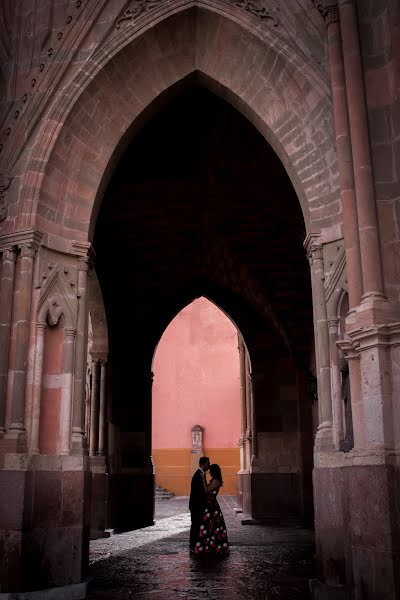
212, 538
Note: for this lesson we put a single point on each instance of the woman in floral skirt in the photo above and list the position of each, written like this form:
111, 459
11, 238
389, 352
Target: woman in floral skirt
213, 538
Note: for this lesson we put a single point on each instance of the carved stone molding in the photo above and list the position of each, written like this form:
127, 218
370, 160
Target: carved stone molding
83, 249
5, 183
138, 7
31, 237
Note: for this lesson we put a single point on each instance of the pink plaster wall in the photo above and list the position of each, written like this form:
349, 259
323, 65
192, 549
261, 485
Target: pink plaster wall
197, 379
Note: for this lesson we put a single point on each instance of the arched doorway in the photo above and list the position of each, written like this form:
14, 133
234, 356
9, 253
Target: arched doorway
196, 399
201, 205
66, 170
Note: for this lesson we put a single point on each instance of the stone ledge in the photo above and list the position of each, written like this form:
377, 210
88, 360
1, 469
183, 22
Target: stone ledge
77, 591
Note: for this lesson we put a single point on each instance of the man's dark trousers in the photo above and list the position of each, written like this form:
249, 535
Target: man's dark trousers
197, 504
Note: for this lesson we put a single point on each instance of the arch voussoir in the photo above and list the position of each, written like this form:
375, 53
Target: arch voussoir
274, 94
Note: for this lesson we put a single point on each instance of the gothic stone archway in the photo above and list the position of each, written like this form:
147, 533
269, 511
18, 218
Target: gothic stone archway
61, 145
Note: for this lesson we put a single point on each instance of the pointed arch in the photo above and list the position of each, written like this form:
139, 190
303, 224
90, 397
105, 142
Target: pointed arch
89, 128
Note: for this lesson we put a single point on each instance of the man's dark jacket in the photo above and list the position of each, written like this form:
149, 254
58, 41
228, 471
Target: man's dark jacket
197, 500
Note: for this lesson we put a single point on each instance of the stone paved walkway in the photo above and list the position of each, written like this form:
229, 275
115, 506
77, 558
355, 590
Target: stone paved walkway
266, 563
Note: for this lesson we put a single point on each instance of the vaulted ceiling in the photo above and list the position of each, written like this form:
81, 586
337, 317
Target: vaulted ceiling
201, 205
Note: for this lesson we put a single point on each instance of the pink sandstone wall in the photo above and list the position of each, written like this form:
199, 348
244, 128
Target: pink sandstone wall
196, 382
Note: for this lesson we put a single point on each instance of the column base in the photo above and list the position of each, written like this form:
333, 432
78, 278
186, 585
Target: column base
374, 309
357, 516
79, 445
323, 439
13, 441
44, 526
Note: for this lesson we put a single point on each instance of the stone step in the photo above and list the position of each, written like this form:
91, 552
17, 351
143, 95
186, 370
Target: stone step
161, 493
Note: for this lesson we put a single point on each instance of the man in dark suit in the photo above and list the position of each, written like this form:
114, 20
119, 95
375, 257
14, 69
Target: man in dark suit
198, 498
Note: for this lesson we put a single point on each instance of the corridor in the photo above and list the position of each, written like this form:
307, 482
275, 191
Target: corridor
266, 562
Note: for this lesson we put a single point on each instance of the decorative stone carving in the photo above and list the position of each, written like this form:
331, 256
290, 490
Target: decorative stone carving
254, 7
54, 310
5, 183
330, 14
57, 298
138, 7
28, 250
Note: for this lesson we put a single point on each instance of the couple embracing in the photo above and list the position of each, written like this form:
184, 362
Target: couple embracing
208, 535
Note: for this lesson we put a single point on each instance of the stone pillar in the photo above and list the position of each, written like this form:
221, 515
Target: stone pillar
254, 439
243, 403
102, 411
248, 434
6, 300
94, 408
78, 426
364, 186
87, 404
67, 392
345, 160
20, 333
37, 389
314, 251
336, 388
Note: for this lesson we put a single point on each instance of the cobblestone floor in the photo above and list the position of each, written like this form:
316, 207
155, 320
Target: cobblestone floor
266, 563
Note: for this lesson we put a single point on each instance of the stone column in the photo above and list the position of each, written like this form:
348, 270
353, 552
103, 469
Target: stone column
248, 434
102, 411
94, 408
364, 186
21, 324
336, 388
67, 392
345, 159
314, 250
78, 427
254, 440
37, 388
242, 364
6, 300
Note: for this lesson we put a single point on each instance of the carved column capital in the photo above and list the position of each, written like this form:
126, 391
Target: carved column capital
313, 247
349, 348
99, 356
330, 14
9, 254
85, 263
28, 250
